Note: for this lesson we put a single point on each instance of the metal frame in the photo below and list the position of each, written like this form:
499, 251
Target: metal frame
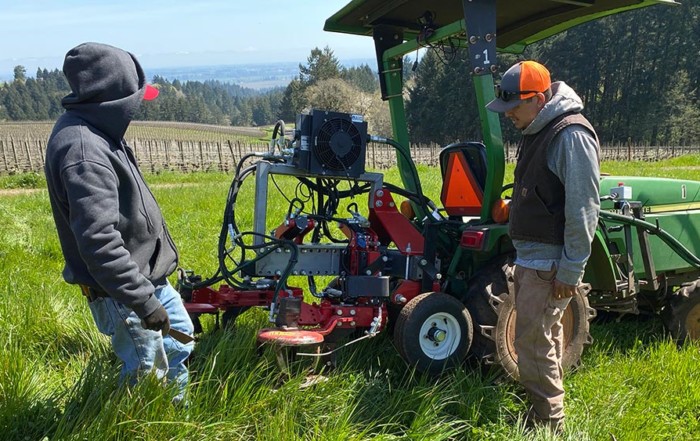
480, 15
313, 259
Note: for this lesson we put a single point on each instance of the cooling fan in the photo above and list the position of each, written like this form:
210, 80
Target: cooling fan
331, 143
339, 144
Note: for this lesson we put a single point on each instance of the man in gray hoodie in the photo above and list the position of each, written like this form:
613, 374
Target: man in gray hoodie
553, 217
112, 233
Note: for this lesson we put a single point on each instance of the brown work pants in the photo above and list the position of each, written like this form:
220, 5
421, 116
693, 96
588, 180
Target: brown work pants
539, 341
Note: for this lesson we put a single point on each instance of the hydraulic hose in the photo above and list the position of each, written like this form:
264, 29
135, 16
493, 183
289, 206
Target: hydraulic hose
399, 148
669, 240
426, 203
279, 128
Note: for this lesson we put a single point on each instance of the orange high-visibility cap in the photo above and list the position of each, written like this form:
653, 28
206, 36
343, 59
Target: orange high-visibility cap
522, 81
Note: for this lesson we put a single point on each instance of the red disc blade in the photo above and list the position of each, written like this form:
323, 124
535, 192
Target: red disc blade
293, 337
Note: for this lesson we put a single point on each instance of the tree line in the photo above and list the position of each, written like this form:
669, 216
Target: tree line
322, 82
209, 102
636, 72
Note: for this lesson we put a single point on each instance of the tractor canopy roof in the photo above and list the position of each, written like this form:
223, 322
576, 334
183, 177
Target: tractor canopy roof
518, 22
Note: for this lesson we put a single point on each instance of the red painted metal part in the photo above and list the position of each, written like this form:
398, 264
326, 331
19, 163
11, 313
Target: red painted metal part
354, 316
200, 308
289, 337
325, 316
392, 226
331, 314
203, 299
363, 248
410, 289
290, 229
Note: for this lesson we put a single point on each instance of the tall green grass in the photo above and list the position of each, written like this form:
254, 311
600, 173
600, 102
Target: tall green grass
58, 376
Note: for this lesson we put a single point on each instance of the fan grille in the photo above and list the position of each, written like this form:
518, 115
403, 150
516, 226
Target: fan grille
338, 144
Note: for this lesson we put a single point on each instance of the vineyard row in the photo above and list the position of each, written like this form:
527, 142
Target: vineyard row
154, 155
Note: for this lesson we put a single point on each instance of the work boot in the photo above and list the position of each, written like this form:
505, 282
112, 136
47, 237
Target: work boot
533, 421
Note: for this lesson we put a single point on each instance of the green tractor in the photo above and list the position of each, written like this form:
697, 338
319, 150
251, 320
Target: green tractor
644, 254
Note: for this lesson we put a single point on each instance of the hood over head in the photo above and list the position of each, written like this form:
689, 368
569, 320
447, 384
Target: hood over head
107, 84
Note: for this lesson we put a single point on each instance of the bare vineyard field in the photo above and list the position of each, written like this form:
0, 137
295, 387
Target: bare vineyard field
23, 130
186, 147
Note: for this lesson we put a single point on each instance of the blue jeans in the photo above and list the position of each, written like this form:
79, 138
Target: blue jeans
142, 350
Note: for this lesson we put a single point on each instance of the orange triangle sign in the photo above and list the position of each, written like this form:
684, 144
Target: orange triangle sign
461, 193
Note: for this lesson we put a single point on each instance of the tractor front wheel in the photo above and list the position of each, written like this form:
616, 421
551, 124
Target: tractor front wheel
433, 332
682, 313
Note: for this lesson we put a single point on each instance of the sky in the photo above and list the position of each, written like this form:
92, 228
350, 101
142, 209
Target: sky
172, 33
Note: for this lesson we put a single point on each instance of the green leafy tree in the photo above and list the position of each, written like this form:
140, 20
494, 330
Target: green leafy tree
423, 111
683, 123
38, 100
13, 101
20, 73
293, 101
243, 116
332, 94
361, 77
321, 65
261, 108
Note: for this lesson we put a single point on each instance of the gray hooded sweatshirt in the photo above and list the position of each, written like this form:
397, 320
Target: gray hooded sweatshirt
110, 227
573, 158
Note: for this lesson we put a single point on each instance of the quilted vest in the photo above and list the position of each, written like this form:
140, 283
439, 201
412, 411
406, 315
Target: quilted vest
537, 207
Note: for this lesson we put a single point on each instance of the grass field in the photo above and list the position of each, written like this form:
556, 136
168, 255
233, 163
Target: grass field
58, 377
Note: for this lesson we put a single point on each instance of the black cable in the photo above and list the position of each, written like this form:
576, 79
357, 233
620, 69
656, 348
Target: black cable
278, 125
406, 193
299, 194
274, 182
427, 22
229, 227
355, 190
419, 189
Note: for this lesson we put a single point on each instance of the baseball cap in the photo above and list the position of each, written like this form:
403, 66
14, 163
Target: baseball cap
522, 81
151, 93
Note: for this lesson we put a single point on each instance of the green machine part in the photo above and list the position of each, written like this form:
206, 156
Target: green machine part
483, 27
670, 208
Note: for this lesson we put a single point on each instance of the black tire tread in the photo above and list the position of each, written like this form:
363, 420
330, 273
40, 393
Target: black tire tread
410, 320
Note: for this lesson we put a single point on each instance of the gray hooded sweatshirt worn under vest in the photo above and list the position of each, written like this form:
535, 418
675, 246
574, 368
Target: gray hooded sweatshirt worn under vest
573, 158
111, 229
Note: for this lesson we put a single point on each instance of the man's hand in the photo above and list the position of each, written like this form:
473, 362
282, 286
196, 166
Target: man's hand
563, 291
157, 321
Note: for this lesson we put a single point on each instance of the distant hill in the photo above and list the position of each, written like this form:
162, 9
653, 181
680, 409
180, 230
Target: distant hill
258, 76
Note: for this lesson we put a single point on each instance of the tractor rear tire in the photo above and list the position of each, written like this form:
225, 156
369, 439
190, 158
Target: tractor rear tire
433, 332
682, 313
490, 302
487, 290
575, 323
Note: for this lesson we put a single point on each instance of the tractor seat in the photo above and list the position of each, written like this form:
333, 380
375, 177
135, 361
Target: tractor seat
463, 167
